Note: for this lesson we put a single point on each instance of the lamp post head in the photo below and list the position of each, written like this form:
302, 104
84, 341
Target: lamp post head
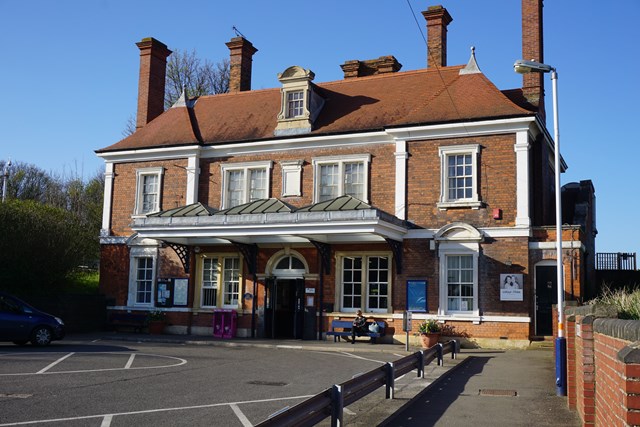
522, 67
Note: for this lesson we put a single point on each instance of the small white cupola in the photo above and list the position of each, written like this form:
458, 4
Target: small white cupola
299, 105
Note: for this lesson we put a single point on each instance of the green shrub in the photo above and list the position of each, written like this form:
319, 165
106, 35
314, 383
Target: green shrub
626, 301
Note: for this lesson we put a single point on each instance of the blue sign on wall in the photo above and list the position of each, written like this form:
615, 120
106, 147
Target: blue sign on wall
417, 295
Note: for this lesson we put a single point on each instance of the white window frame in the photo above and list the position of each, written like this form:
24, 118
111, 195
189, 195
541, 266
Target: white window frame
225, 283
245, 168
134, 255
364, 296
215, 282
295, 108
445, 250
140, 175
341, 161
455, 150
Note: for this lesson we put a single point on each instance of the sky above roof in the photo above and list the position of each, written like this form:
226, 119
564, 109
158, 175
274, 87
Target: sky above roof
71, 71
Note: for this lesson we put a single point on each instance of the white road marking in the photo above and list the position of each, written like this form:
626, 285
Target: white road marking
106, 422
243, 419
348, 411
51, 365
360, 357
130, 361
179, 362
151, 411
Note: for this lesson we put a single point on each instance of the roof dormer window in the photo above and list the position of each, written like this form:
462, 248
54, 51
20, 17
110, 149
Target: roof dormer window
300, 105
295, 104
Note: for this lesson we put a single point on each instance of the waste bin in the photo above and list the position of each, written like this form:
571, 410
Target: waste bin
224, 323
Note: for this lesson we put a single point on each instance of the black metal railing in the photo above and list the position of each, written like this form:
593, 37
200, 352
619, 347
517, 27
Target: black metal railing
331, 402
616, 261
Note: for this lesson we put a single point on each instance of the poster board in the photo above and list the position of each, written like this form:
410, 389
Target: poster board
417, 295
511, 287
180, 292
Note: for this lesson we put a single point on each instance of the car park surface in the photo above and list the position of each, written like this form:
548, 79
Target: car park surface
102, 383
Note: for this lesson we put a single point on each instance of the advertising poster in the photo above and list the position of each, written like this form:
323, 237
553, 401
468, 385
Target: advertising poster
511, 287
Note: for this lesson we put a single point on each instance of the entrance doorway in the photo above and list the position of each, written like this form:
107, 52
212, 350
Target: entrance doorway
546, 296
284, 308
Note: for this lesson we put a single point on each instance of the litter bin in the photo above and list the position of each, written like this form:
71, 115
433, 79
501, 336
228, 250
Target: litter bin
224, 323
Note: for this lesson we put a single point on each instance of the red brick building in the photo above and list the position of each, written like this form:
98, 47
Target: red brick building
429, 190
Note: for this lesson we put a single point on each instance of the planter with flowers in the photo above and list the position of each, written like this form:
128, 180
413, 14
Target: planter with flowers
429, 333
156, 321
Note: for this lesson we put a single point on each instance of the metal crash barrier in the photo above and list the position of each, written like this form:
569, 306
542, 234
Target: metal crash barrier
331, 402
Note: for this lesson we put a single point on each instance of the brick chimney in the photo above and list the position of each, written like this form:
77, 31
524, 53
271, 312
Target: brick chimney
532, 49
437, 19
241, 51
370, 67
153, 70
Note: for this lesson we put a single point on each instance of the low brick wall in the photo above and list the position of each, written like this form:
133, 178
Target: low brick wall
603, 366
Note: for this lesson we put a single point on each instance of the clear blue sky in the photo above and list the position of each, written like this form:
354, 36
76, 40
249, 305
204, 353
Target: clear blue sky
70, 71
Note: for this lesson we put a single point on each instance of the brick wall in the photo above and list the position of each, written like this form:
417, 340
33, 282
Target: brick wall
603, 367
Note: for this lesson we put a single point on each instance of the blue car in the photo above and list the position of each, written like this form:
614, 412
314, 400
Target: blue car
21, 323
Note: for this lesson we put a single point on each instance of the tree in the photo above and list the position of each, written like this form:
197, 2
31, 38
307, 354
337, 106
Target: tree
186, 71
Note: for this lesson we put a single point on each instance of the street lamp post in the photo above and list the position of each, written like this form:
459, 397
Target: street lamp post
522, 67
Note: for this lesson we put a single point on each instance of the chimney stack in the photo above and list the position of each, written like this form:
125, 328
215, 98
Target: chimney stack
153, 71
382, 65
241, 51
532, 50
437, 19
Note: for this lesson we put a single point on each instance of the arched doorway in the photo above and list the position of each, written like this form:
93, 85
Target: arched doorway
284, 297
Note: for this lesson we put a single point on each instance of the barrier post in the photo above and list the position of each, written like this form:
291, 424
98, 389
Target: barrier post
439, 350
389, 380
420, 364
337, 406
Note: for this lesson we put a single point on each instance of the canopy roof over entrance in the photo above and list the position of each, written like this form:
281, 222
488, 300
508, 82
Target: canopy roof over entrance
341, 220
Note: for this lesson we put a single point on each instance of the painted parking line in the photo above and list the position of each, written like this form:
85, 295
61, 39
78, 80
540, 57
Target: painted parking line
108, 417
176, 361
241, 416
51, 365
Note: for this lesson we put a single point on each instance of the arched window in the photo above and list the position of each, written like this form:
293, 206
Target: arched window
290, 266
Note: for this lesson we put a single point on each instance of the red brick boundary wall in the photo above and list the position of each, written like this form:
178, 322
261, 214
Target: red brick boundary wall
603, 366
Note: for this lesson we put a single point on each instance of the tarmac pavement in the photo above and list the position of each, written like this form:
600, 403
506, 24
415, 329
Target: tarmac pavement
481, 387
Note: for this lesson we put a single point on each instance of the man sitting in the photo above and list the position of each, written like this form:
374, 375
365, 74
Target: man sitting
359, 326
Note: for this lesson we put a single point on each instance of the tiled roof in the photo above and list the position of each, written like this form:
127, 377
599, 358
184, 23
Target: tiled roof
194, 209
426, 96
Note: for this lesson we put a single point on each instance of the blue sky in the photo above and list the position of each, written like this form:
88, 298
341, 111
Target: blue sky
70, 71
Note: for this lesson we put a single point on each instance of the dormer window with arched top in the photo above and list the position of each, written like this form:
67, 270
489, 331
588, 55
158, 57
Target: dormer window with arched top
300, 105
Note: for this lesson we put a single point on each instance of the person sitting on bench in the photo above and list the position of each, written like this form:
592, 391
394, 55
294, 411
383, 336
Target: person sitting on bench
359, 326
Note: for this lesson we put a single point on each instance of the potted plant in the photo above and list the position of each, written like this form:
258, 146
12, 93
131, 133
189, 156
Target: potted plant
156, 321
429, 333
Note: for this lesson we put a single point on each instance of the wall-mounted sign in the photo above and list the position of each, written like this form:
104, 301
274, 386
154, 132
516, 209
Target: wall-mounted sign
417, 295
180, 292
511, 287
309, 290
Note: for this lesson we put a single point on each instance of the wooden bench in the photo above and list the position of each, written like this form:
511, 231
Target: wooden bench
121, 319
343, 328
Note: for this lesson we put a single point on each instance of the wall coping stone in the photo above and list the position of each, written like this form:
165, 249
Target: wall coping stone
628, 330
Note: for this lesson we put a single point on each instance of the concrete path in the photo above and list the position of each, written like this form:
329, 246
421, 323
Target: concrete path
491, 388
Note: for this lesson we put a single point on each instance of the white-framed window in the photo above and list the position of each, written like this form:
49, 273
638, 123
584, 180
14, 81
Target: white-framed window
231, 282
458, 279
244, 183
459, 176
210, 278
365, 282
218, 276
148, 190
142, 275
339, 176
295, 104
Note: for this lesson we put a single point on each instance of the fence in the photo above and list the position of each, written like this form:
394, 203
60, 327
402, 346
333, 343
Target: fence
332, 401
615, 261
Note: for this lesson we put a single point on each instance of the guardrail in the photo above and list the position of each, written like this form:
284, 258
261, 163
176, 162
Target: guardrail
331, 402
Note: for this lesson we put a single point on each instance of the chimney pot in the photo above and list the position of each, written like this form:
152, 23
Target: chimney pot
151, 82
437, 19
241, 57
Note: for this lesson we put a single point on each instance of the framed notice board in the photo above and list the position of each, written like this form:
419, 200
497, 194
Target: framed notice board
417, 295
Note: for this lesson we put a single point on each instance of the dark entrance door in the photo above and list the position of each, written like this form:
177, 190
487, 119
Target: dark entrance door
546, 296
284, 309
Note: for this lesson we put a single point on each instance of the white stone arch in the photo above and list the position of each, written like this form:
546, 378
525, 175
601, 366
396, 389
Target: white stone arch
272, 270
460, 232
